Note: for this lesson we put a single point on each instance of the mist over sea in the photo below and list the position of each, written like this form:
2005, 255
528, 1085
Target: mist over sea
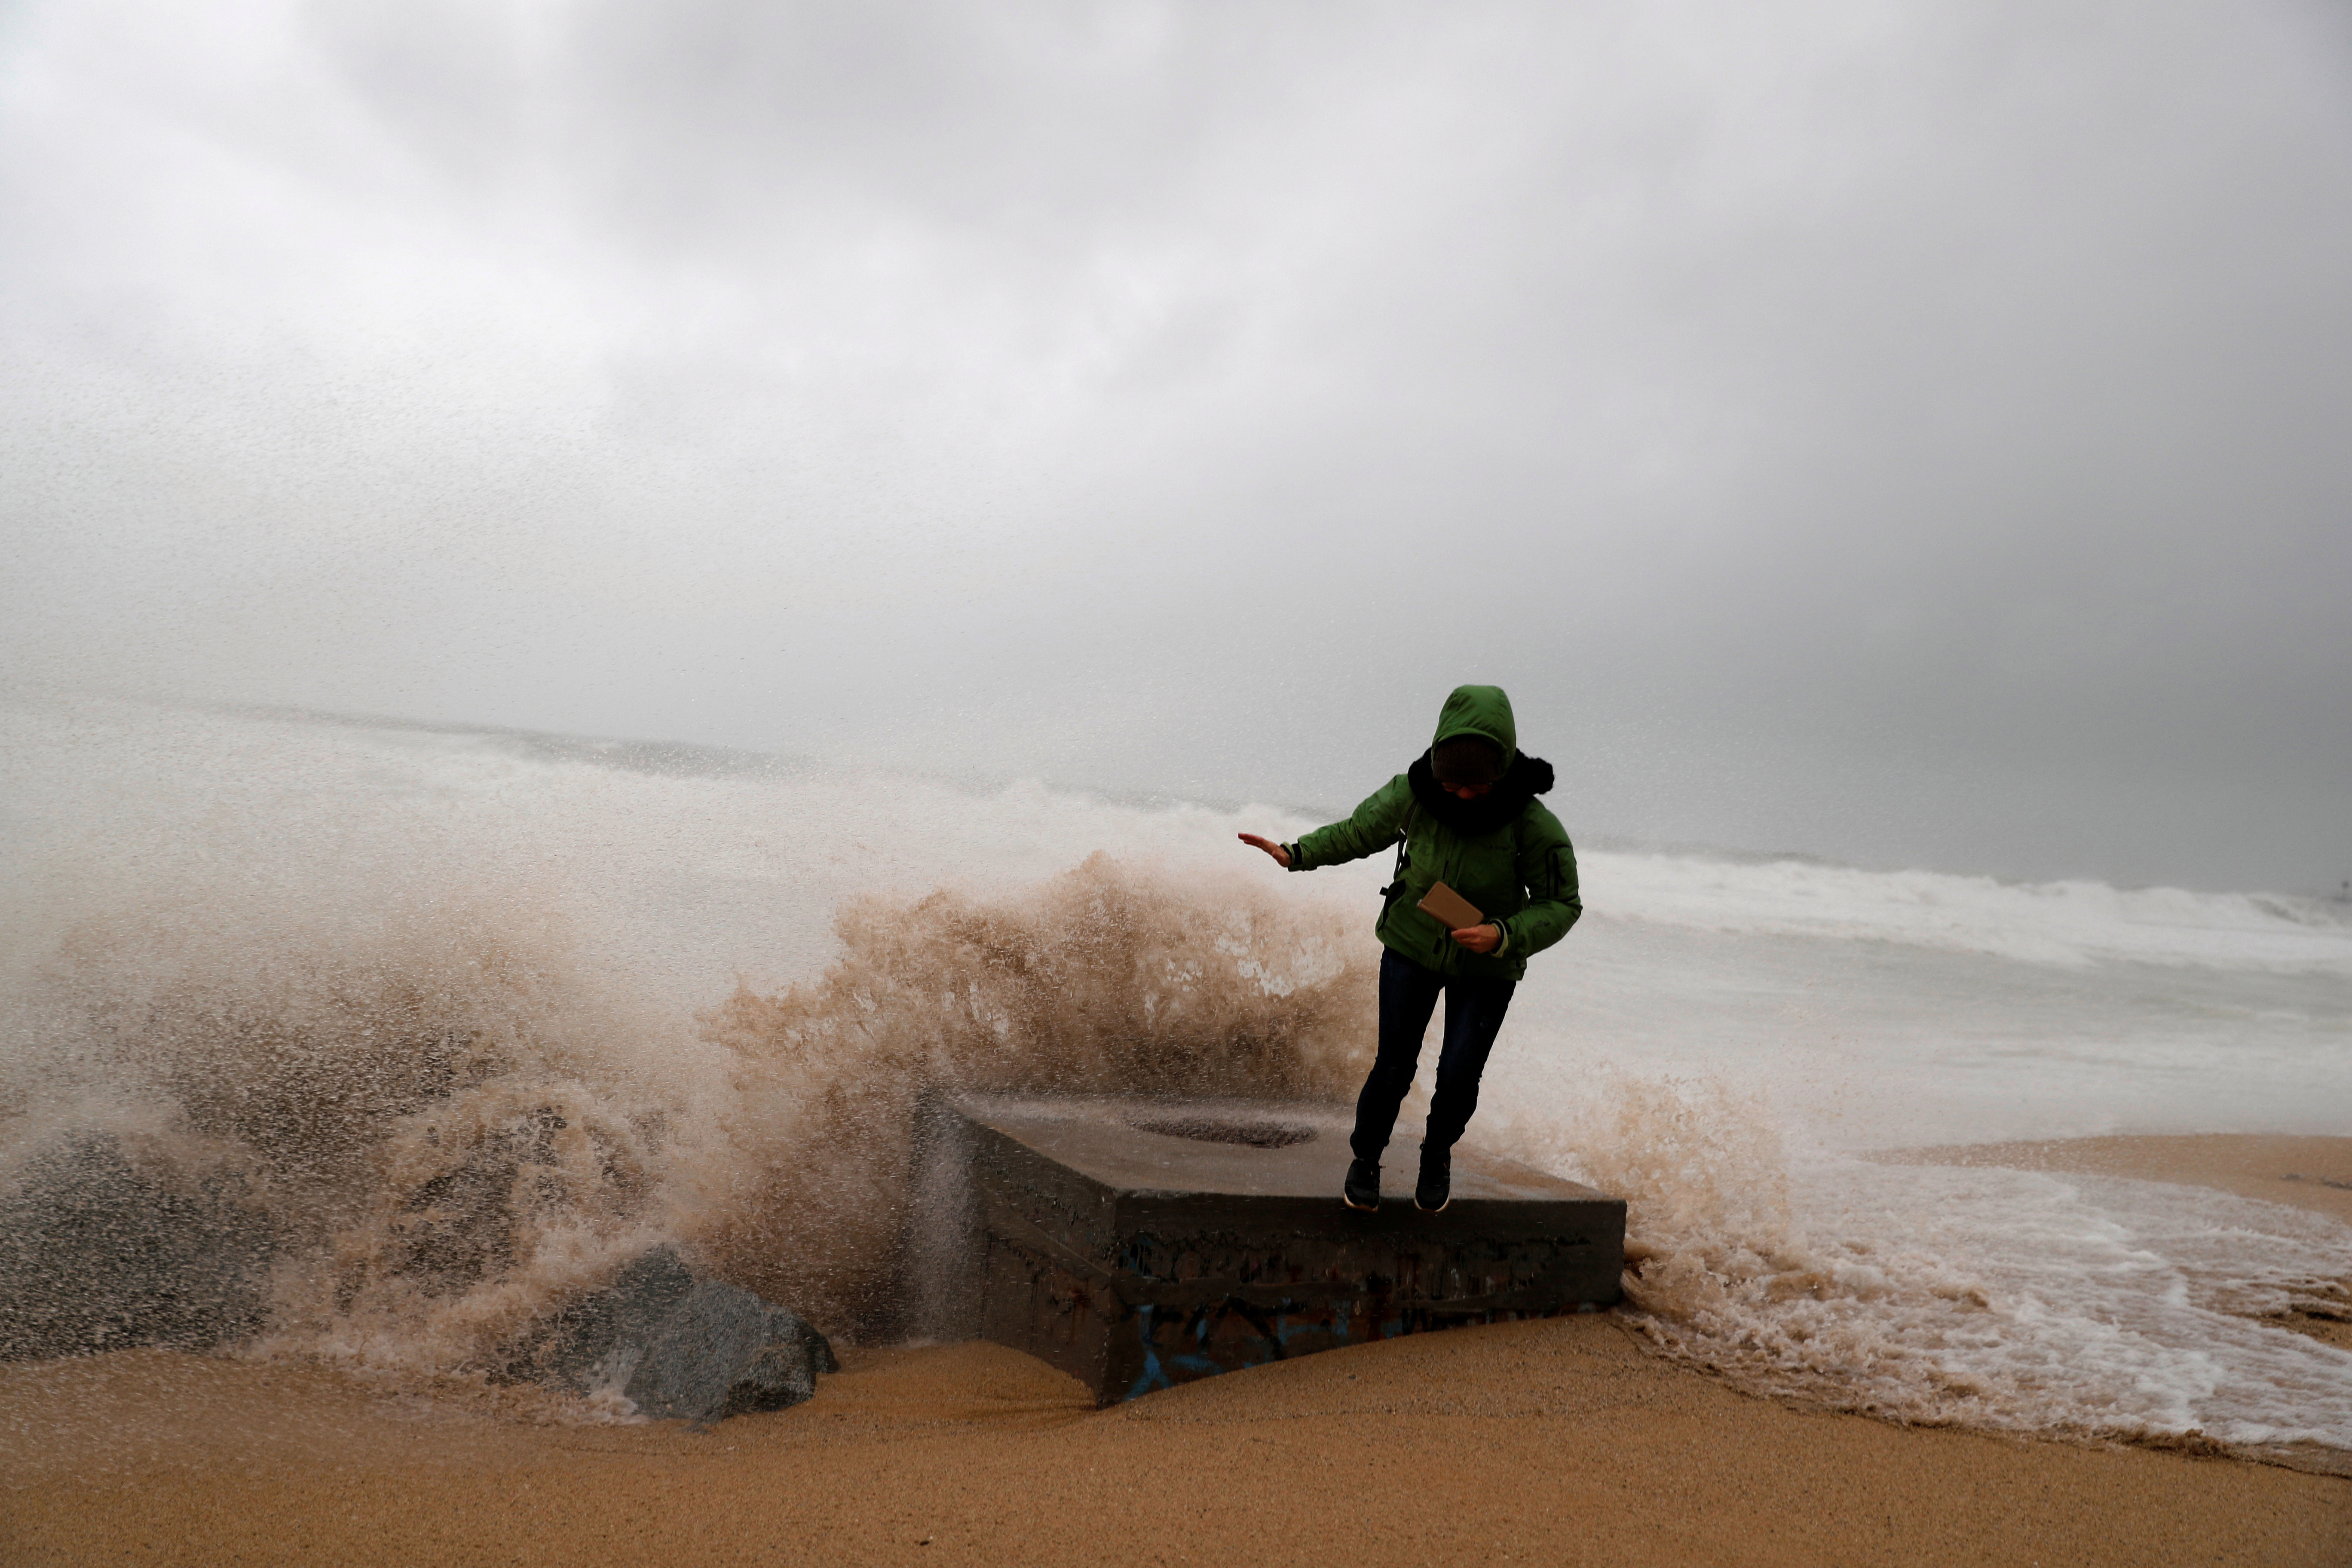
343, 958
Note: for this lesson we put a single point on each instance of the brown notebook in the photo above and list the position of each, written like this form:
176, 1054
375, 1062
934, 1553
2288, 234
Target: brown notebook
1452, 909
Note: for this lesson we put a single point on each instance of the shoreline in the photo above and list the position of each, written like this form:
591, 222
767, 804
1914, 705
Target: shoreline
1559, 1441
2302, 1172
2312, 1174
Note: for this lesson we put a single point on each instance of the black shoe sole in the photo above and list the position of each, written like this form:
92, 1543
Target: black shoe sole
1373, 1207
1439, 1209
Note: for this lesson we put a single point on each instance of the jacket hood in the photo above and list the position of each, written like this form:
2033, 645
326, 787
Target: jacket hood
1481, 710
1485, 711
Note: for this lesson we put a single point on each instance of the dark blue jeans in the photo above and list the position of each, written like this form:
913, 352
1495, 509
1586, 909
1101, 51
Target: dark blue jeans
1474, 1015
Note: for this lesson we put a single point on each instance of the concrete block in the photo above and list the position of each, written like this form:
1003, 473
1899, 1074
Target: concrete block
1138, 1244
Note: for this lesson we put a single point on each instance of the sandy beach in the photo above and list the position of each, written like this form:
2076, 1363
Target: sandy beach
1554, 1442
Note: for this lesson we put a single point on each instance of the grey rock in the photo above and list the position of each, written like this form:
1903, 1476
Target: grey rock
724, 1351
595, 1342
95, 1255
678, 1348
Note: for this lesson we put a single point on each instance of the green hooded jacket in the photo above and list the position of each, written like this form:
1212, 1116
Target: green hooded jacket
1504, 851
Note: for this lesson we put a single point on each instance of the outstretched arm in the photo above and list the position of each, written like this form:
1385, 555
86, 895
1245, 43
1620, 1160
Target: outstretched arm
1281, 856
1373, 827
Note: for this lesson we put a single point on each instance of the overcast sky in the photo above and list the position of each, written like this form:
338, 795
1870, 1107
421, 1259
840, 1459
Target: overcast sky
1917, 433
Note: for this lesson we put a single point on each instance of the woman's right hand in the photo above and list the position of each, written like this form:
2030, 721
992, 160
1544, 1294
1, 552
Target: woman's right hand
1281, 856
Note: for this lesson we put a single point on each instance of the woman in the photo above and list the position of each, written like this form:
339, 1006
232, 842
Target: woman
1464, 813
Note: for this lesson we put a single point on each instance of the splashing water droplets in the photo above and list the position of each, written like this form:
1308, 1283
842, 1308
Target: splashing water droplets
458, 1127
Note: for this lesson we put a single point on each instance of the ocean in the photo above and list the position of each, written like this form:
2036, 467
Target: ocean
471, 1013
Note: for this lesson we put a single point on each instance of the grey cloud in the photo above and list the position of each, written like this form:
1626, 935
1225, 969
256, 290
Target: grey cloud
1897, 432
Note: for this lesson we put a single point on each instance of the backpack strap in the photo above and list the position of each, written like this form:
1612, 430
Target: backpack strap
1396, 874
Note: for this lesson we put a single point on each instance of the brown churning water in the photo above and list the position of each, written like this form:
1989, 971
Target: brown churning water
439, 1111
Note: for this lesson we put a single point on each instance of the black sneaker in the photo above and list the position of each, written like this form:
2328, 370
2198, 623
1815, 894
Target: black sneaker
1363, 1189
1435, 1188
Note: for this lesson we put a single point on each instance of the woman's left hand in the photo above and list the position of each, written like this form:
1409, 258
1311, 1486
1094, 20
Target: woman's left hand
1480, 938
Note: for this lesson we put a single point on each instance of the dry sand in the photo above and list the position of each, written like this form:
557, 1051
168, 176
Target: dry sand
1558, 1442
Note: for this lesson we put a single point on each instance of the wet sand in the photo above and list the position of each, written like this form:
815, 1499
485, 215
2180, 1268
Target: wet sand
2313, 1173
1557, 1442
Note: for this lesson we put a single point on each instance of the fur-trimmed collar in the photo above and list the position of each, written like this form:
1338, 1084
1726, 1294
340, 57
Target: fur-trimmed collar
1498, 808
